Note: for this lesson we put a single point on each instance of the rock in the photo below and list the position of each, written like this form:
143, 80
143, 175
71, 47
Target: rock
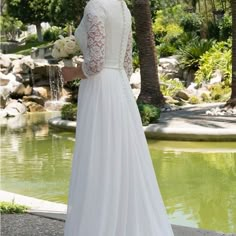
5, 91
5, 79
216, 77
170, 66
15, 108
136, 92
182, 94
18, 91
43, 91
2, 102
3, 113
27, 62
34, 107
35, 99
170, 100
135, 80
28, 90
189, 76
23, 66
14, 56
17, 69
5, 61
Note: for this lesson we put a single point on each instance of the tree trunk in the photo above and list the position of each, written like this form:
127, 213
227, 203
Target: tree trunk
150, 87
39, 32
233, 94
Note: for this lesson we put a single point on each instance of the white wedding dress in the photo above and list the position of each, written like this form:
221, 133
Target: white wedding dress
113, 187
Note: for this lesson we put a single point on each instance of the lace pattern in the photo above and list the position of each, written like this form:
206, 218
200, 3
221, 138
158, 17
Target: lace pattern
128, 65
95, 53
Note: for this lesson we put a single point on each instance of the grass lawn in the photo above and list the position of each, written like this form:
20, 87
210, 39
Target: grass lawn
26, 49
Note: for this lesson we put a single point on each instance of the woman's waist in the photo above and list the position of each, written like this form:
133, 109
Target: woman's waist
113, 64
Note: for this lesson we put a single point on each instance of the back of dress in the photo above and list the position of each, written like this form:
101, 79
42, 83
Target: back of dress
113, 187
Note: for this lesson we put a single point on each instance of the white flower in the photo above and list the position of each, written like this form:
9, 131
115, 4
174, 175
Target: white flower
65, 47
70, 47
55, 53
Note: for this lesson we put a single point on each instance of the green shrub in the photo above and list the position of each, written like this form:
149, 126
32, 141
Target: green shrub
225, 26
217, 58
52, 33
166, 49
169, 87
9, 208
149, 113
69, 112
205, 97
191, 22
194, 100
220, 92
31, 38
192, 52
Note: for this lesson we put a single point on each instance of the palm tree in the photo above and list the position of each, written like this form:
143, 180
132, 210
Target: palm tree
150, 87
233, 94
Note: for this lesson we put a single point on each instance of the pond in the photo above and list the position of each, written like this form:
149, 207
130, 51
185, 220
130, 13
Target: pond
197, 179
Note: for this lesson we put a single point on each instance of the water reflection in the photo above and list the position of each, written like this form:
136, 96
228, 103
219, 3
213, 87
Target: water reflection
197, 180
200, 187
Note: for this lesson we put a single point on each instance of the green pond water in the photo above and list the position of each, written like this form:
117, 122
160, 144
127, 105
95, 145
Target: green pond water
197, 179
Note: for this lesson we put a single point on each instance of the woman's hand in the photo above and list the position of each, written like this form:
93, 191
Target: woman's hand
71, 73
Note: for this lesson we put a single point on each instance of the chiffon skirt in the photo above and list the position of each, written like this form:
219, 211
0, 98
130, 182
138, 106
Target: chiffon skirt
113, 187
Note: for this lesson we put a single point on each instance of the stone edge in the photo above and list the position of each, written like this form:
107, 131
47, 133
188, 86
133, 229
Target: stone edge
156, 131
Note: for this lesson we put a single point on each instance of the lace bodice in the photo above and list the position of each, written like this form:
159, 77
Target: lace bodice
105, 36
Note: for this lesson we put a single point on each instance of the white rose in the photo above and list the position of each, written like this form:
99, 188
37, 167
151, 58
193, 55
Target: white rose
70, 47
63, 53
59, 43
56, 53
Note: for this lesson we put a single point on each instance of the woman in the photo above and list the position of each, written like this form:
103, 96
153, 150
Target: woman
113, 187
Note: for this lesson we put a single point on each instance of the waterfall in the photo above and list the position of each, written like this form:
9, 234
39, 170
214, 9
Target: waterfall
55, 82
56, 86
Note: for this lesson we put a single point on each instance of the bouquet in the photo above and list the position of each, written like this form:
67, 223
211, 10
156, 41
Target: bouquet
65, 48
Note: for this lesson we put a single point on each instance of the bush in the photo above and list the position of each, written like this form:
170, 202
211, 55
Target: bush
52, 34
10, 208
31, 38
149, 113
194, 100
220, 92
225, 26
191, 54
217, 58
69, 112
169, 87
191, 22
166, 49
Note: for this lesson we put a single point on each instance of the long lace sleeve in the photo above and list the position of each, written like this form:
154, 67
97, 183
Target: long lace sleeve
95, 26
128, 62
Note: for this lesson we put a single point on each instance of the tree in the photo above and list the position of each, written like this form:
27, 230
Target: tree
150, 87
10, 27
66, 11
233, 93
30, 12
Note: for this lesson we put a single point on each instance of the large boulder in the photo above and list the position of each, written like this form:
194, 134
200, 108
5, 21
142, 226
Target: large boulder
135, 80
5, 61
169, 66
216, 77
182, 94
34, 107
43, 91
34, 98
15, 108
